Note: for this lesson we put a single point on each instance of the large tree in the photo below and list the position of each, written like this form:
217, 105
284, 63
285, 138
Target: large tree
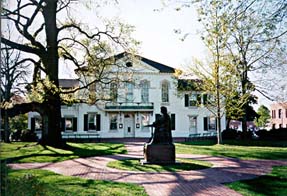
253, 35
257, 44
219, 78
48, 36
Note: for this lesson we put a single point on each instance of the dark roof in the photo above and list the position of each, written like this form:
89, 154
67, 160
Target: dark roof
188, 84
161, 67
68, 83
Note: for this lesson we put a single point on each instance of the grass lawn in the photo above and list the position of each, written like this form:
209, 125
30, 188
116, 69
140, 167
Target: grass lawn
242, 150
135, 165
46, 183
23, 152
273, 184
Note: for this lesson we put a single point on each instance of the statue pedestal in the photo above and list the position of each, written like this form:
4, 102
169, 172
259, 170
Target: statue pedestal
159, 153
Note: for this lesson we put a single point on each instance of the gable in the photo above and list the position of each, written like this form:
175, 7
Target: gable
142, 64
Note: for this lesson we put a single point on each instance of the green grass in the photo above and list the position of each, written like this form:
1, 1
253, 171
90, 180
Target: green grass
271, 184
21, 152
236, 150
46, 183
135, 165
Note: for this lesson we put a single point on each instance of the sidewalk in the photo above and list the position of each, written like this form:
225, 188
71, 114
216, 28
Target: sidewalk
200, 182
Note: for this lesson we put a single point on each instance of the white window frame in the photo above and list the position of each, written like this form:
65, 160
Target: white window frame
165, 91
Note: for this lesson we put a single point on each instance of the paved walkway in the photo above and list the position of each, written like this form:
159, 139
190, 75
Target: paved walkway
186, 183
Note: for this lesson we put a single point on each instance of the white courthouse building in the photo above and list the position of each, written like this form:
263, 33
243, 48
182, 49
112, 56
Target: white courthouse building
136, 104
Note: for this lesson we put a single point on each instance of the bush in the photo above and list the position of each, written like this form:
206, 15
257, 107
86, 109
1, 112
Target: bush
263, 134
16, 135
28, 136
273, 134
229, 134
278, 134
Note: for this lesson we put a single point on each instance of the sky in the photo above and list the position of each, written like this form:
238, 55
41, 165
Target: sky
154, 27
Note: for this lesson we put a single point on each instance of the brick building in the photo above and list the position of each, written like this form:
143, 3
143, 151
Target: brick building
279, 115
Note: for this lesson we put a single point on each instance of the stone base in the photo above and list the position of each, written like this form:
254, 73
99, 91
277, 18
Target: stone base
159, 154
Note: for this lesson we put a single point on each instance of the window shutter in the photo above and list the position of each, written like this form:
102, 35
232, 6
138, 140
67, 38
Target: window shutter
198, 99
63, 124
33, 124
172, 121
98, 128
204, 99
205, 124
75, 124
157, 116
186, 99
85, 122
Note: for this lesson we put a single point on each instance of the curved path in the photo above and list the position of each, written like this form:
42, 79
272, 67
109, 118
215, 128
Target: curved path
201, 182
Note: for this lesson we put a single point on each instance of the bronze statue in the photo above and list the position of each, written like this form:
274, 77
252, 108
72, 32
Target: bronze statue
160, 149
162, 132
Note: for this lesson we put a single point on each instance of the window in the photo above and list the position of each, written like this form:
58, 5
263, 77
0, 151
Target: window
209, 123
145, 91
92, 122
113, 122
129, 64
145, 120
69, 124
192, 100
279, 113
114, 91
129, 92
38, 123
165, 92
212, 123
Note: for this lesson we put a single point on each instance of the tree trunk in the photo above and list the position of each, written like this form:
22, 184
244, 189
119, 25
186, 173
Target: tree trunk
244, 84
6, 128
51, 118
219, 138
51, 134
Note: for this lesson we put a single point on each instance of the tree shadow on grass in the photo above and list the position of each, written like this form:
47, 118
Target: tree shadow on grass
72, 151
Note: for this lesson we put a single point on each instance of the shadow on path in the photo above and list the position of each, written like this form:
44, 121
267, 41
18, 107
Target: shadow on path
200, 182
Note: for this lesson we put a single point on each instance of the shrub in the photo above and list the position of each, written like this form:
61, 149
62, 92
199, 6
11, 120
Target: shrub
28, 136
16, 135
278, 134
263, 134
229, 134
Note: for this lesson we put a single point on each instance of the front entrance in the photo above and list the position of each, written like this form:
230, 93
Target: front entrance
129, 125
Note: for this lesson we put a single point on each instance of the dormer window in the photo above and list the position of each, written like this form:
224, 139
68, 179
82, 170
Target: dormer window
129, 64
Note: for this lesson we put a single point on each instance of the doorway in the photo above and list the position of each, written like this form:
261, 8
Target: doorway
129, 125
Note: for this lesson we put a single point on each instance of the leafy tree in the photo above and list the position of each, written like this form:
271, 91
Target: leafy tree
257, 31
51, 34
264, 116
218, 75
252, 34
